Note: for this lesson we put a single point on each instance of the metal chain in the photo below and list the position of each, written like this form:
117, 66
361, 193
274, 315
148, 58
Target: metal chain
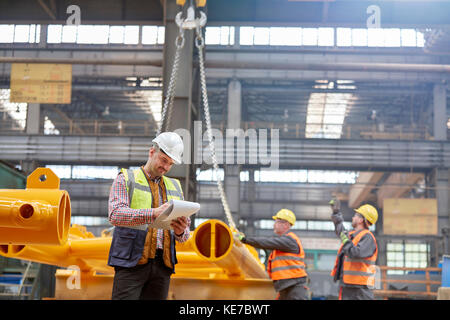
168, 107
199, 43
170, 94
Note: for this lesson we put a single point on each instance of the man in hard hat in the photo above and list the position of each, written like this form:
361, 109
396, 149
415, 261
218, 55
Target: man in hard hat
144, 258
355, 262
286, 265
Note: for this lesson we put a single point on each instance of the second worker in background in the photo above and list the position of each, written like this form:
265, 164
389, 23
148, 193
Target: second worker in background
286, 265
355, 262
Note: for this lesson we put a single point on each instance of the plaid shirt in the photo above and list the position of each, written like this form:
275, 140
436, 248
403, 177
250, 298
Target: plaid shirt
121, 215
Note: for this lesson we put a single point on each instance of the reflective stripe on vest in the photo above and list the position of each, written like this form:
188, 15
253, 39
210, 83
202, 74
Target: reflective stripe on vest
140, 194
359, 271
284, 265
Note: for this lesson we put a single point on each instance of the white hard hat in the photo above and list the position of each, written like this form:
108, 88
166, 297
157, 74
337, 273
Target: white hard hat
172, 145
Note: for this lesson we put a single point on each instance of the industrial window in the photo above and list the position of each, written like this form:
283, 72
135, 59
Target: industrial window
209, 175
299, 176
219, 36
311, 225
199, 221
84, 172
378, 37
290, 36
93, 34
153, 34
407, 254
345, 37
310, 37
131, 35
285, 36
116, 34
27, 33
305, 176
69, 34
89, 221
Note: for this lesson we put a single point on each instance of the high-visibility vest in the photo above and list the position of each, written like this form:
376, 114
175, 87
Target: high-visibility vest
139, 190
128, 244
359, 271
285, 265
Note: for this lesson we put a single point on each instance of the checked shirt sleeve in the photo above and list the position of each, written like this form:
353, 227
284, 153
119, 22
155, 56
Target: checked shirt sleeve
119, 212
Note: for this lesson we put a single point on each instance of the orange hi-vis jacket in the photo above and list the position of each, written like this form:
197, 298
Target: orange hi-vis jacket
359, 271
285, 265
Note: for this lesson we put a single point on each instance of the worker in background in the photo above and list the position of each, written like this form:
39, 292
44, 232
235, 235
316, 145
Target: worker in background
355, 262
286, 265
144, 258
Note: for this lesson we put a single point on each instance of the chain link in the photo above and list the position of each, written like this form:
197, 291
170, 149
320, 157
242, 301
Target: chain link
170, 94
199, 43
168, 109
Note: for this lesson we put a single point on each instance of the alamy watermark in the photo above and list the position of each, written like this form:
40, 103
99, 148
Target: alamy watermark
374, 282
374, 20
74, 280
233, 146
75, 15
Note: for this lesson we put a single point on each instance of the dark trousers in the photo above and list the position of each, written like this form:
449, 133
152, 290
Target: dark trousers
148, 281
298, 291
354, 293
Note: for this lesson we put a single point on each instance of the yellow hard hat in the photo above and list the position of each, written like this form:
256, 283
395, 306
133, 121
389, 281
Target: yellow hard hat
285, 214
369, 212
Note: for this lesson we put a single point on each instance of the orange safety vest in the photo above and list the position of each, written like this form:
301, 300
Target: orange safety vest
285, 265
359, 271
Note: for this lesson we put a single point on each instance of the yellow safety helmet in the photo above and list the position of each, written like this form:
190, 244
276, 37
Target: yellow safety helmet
369, 212
285, 214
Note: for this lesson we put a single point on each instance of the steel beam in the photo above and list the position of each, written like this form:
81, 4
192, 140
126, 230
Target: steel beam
240, 65
372, 155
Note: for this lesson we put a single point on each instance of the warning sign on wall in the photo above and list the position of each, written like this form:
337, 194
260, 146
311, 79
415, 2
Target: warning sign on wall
41, 83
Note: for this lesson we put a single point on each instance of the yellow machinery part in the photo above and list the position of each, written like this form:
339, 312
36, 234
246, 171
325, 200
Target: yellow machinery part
199, 3
211, 265
213, 240
40, 214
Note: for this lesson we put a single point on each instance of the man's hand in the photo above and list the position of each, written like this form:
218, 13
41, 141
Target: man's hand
335, 205
157, 211
179, 225
344, 238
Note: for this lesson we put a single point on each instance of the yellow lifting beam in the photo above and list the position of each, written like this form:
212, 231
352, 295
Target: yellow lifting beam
40, 214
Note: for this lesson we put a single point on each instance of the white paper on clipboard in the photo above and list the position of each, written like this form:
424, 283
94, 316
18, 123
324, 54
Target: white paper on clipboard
176, 209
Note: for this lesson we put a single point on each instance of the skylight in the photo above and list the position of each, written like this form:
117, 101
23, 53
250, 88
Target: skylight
326, 112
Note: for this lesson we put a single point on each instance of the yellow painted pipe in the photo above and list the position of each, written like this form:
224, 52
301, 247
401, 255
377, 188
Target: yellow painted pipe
213, 240
57, 255
192, 258
40, 214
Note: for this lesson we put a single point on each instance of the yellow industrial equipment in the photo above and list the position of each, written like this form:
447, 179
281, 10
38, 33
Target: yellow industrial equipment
199, 3
211, 264
214, 242
40, 214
